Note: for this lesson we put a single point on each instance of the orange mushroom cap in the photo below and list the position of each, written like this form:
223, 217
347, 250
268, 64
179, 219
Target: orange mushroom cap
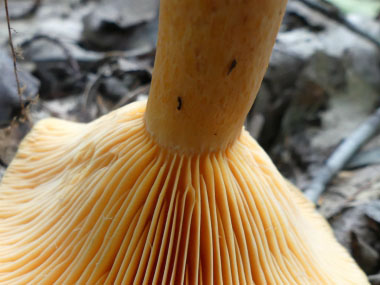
175, 192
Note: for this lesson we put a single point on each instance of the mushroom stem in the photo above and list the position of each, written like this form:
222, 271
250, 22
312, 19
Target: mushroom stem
211, 58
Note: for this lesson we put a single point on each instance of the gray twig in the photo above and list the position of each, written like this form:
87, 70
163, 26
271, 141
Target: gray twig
342, 155
71, 60
90, 93
334, 14
131, 95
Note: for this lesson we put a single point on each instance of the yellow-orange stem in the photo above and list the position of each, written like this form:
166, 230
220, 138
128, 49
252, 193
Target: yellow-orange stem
211, 58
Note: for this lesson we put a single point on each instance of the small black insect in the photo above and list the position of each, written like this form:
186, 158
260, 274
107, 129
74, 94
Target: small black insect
179, 106
232, 66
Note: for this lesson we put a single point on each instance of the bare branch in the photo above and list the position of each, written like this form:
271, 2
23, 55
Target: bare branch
70, 58
342, 155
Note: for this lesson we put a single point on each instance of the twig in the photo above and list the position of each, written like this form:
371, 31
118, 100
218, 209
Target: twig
71, 60
91, 90
342, 155
131, 95
91, 57
19, 91
28, 12
334, 14
89, 94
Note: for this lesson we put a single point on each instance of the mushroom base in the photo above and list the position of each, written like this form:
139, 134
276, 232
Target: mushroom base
102, 203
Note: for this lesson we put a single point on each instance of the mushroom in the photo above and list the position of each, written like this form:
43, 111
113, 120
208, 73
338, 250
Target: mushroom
176, 192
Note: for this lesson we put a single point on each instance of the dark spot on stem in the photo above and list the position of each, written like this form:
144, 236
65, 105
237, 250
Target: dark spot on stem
179, 106
232, 66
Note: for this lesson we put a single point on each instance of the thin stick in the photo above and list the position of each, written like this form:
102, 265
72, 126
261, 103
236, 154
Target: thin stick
14, 57
335, 15
71, 60
131, 95
342, 155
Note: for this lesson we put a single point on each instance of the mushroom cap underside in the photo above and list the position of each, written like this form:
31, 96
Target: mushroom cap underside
103, 203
